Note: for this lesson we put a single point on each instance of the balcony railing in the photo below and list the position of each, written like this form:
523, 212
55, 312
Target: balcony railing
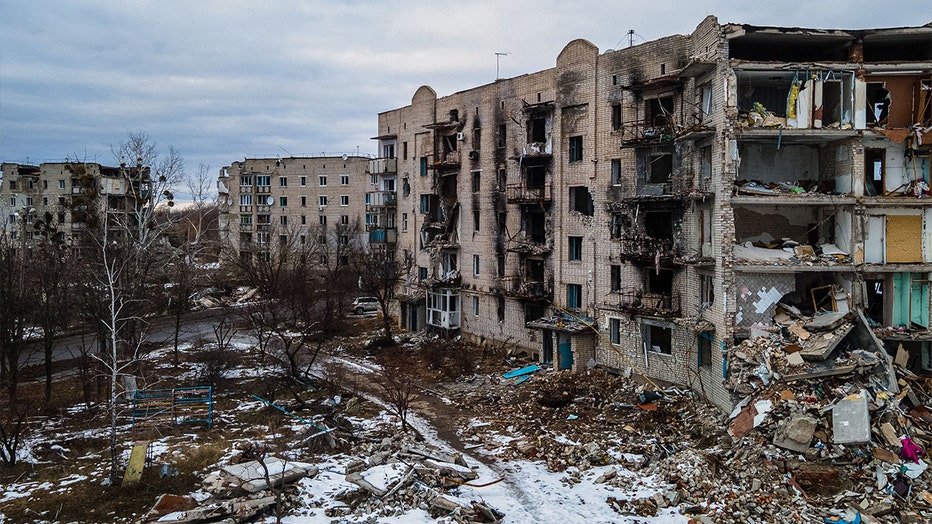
383, 235
529, 290
645, 303
521, 194
646, 248
445, 160
245, 227
382, 198
379, 166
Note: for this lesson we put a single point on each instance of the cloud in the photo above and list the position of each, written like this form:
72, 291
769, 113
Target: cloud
220, 80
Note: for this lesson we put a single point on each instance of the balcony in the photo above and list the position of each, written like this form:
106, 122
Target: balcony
383, 166
521, 194
646, 249
245, 227
645, 303
523, 289
382, 198
383, 235
448, 160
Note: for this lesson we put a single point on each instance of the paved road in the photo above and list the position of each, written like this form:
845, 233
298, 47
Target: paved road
196, 325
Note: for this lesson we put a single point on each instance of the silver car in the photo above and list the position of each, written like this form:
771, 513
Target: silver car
364, 304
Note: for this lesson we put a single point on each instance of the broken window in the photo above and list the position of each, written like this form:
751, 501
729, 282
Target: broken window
534, 226
660, 111
581, 200
501, 309
536, 176
619, 223
705, 93
614, 330
706, 290
659, 168
878, 104
536, 130
657, 337
576, 149
501, 266
705, 165
615, 278
476, 138
475, 220
874, 160
501, 136
616, 171
659, 281
501, 178
575, 249
616, 117
574, 296
423, 166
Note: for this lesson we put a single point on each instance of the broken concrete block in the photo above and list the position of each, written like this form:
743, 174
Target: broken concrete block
796, 434
795, 359
851, 420
252, 476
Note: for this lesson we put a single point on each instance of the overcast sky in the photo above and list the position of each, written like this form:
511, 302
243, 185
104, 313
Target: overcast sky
223, 80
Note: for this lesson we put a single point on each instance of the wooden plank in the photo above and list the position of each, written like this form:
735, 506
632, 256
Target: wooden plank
137, 461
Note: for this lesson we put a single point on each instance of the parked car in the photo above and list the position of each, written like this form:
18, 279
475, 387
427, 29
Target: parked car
364, 304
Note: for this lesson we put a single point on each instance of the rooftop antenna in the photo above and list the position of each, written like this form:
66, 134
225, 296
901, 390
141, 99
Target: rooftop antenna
630, 37
497, 57
285, 150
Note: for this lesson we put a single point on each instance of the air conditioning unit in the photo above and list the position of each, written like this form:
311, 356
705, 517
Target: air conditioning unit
474, 155
321, 208
461, 136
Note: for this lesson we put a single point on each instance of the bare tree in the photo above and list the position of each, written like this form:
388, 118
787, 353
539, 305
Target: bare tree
379, 274
126, 255
14, 303
12, 430
399, 382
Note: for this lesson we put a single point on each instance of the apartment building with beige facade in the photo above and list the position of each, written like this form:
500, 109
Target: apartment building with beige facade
57, 199
648, 208
322, 200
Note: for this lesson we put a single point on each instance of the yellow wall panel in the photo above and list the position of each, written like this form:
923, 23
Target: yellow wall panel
904, 238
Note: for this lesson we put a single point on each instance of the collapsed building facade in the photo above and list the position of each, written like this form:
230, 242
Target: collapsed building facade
651, 207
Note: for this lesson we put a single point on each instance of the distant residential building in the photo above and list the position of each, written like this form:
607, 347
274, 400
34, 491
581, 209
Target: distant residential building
267, 201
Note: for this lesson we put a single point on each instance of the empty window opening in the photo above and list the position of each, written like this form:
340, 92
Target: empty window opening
616, 117
501, 135
615, 278
581, 200
534, 226
476, 181
874, 170
619, 223
660, 167
878, 104
660, 111
659, 282
658, 338
658, 224
536, 176
501, 309
537, 130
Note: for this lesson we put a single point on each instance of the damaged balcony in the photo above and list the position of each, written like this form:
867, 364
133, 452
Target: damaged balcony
656, 122
647, 250
525, 194
532, 239
796, 99
443, 308
529, 290
645, 303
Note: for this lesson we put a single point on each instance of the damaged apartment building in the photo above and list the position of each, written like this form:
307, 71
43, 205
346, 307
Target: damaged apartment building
648, 208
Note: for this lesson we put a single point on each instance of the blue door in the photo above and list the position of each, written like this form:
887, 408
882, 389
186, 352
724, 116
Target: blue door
566, 351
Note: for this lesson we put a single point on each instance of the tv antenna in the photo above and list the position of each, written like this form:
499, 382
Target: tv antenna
497, 57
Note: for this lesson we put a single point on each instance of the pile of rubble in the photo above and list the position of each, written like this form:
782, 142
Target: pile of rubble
837, 424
